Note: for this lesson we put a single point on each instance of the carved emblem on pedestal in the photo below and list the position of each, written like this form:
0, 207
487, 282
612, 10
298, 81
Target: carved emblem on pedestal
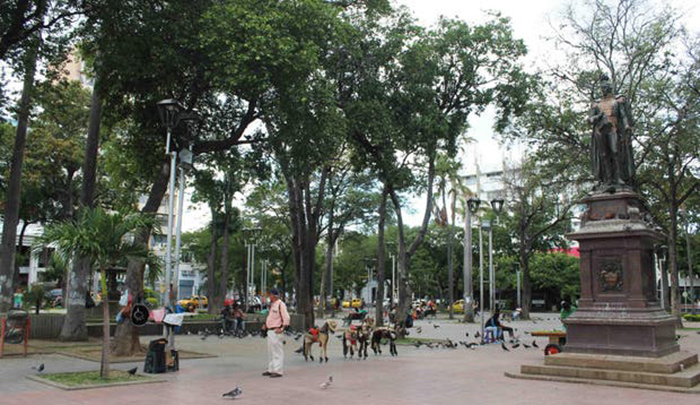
610, 276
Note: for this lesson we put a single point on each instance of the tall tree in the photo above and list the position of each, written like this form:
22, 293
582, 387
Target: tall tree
12, 198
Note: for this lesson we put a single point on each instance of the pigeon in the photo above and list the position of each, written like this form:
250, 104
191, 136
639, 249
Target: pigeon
467, 334
436, 326
515, 346
204, 337
419, 329
233, 393
477, 335
525, 345
297, 337
39, 368
503, 346
132, 371
417, 344
327, 383
534, 344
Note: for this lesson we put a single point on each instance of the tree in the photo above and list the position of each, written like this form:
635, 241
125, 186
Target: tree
13, 193
637, 46
103, 240
440, 78
537, 224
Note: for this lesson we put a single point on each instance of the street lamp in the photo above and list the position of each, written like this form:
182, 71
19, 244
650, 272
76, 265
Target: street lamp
250, 235
186, 163
485, 225
369, 261
169, 111
663, 251
497, 205
391, 246
473, 206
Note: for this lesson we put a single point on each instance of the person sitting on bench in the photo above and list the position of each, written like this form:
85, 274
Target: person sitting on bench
495, 322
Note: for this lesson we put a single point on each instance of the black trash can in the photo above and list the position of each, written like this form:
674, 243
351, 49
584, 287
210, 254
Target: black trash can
155, 358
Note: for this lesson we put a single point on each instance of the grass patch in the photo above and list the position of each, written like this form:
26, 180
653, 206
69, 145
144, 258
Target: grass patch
84, 378
689, 329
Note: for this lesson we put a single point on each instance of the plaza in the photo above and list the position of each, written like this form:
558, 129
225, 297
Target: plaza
417, 376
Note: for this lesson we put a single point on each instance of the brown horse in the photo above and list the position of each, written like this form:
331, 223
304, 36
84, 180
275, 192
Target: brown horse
321, 336
384, 333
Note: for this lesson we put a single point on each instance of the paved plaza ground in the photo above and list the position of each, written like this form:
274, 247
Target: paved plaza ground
416, 376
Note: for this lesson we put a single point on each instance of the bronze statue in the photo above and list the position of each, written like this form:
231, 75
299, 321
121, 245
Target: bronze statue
611, 145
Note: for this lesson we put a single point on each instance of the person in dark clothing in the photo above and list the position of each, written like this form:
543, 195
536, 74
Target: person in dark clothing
495, 322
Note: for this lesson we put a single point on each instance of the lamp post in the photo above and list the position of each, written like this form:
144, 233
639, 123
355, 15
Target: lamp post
169, 111
485, 224
663, 251
186, 163
519, 300
497, 205
391, 246
249, 236
369, 261
473, 206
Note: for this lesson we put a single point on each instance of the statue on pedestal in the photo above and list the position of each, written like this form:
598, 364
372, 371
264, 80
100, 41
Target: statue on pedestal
611, 146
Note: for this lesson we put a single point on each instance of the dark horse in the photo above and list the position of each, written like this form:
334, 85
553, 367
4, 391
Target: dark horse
384, 333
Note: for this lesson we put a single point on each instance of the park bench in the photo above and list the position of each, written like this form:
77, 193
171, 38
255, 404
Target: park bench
557, 340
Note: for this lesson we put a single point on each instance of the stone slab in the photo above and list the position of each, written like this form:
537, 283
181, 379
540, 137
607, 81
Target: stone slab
670, 364
687, 378
517, 375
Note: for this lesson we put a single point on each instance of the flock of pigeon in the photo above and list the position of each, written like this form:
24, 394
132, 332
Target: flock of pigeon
446, 344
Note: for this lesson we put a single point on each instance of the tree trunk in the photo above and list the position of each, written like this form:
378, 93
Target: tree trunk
450, 270
104, 363
126, 337
74, 327
380, 260
218, 303
12, 198
211, 263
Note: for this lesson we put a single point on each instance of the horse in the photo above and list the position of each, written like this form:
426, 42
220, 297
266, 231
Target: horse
384, 332
321, 336
358, 335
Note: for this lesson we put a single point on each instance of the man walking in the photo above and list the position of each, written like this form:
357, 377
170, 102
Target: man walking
275, 324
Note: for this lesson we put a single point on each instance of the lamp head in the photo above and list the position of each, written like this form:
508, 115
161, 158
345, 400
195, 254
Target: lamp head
497, 205
473, 204
169, 110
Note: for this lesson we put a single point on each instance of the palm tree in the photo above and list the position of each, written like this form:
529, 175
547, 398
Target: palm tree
105, 239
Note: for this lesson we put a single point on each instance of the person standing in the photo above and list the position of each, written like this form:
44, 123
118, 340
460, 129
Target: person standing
275, 324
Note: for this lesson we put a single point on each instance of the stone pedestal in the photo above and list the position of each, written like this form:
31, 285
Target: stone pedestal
618, 312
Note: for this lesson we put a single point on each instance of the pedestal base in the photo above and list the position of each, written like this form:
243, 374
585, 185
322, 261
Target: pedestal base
645, 333
678, 372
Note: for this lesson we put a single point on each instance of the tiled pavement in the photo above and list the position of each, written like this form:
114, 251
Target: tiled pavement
417, 376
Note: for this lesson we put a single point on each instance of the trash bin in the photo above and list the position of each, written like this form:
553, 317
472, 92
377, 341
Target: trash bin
155, 358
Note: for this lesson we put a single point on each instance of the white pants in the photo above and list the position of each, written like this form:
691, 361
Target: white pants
275, 351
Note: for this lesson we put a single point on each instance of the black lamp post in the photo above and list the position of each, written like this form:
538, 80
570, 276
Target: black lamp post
249, 237
169, 111
472, 208
497, 205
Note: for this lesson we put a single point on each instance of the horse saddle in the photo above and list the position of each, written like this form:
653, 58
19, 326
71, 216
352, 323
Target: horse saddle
314, 332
